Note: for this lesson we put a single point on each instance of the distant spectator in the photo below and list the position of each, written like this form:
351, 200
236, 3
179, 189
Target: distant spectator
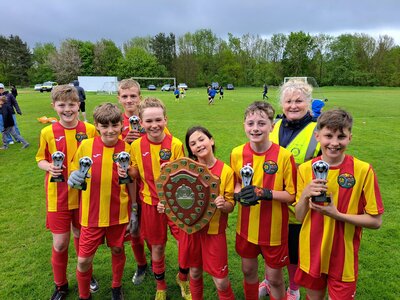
8, 123
265, 91
11, 101
221, 92
317, 106
14, 91
82, 98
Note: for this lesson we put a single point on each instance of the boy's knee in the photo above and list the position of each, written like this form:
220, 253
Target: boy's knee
116, 250
84, 263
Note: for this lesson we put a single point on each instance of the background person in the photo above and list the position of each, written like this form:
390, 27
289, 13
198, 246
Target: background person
12, 102
295, 132
82, 98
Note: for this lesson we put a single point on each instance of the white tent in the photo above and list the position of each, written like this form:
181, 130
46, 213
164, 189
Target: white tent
107, 84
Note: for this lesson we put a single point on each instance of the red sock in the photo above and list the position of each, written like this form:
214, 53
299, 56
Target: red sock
159, 273
226, 294
292, 271
183, 274
250, 290
138, 251
196, 288
83, 279
59, 261
118, 264
76, 245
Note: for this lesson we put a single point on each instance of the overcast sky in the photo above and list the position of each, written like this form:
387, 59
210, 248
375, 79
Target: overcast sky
38, 21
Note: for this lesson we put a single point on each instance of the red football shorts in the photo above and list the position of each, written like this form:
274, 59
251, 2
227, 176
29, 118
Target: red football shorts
60, 222
275, 257
337, 289
153, 225
92, 237
207, 251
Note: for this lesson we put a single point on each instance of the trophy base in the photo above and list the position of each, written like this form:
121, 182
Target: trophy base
82, 187
321, 199
124, 180
59, 178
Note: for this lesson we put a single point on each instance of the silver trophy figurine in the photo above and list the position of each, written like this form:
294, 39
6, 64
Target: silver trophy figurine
247, 175
134, 121
84, 165
320, 169
124, 160
58, 160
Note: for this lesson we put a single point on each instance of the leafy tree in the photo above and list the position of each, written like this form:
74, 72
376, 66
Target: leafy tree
41, 70
138, 42
139, 63
106, 58
164, 49
15, 60
66, 63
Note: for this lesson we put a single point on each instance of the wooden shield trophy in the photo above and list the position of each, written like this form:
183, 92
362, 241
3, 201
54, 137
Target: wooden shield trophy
188, 190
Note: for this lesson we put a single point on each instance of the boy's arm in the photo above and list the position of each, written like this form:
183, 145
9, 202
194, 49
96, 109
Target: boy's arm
314, 188
364, 220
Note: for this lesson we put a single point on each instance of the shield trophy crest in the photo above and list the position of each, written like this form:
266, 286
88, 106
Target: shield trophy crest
188, 190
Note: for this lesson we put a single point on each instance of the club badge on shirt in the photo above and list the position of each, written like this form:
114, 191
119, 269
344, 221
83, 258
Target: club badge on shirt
165, 154
346, 180
80, 136
270, 167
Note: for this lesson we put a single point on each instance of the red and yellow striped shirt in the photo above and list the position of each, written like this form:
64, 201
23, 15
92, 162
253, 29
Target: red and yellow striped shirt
147, 157
105, 201
267, 223
55, 137
219, 221
328, 246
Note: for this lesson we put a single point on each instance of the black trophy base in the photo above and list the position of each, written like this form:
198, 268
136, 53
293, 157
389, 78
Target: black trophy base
82, 187
323, 198
125, 180
59, 178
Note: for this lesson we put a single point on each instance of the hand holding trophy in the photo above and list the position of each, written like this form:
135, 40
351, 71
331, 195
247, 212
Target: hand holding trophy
77, 178
134, 121
58, 160
124, 160
320, 169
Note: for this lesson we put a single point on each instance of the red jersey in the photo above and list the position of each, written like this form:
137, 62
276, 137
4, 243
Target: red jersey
328, 246
219, 221
105, 201
55, 137
147, 157
265, 224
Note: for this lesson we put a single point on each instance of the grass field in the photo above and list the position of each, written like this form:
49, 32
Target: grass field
25, 245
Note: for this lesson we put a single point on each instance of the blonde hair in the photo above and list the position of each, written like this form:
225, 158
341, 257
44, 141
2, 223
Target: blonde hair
127, 84
107, 113
64, 93
151, 102
292, 86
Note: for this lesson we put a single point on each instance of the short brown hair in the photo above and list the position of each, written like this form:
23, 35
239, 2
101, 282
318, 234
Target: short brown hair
151, 102
260, 106
127, 84
335, 119
64, 93
107, 113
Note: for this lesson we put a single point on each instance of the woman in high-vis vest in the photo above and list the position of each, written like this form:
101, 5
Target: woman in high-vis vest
295, 132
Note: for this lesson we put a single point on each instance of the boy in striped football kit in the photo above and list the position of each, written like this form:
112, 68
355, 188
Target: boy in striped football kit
262, 225
104, 208
148, 154
62, 202
331, 232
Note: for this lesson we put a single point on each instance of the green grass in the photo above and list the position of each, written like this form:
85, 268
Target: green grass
25, 244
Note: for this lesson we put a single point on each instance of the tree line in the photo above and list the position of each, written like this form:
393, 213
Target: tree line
201, 57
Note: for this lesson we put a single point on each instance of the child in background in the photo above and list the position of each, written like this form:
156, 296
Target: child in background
331, 232
9, 125
262, 226
62, 203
